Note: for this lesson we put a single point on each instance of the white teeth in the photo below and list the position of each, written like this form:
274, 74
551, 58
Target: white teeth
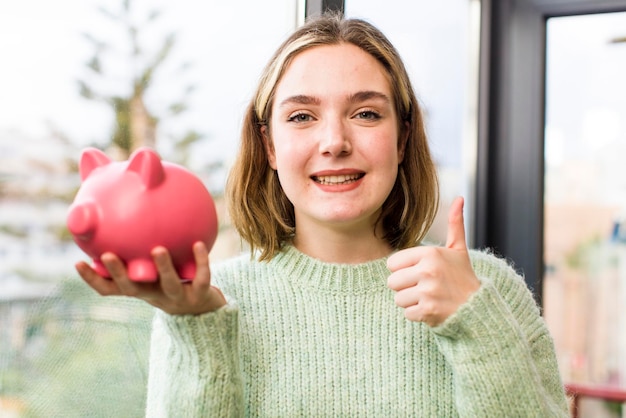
341, 179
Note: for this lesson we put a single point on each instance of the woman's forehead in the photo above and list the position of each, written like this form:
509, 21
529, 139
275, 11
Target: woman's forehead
333, 70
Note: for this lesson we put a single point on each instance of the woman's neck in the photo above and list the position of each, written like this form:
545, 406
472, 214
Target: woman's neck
346, 246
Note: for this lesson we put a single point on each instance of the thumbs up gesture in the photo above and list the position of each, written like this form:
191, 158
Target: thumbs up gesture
432, 282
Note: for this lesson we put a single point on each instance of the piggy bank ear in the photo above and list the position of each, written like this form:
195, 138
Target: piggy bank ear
147, 164
90, 159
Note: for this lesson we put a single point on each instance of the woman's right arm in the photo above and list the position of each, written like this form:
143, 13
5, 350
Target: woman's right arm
194, 356
194, 366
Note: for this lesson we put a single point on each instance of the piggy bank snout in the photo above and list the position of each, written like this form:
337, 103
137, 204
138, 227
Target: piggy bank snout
82, 220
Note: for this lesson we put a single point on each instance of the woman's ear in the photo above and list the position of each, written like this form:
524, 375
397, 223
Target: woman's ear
269, 147
403, 138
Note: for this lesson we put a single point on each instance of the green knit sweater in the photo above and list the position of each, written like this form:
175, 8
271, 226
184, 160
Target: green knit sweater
303, 338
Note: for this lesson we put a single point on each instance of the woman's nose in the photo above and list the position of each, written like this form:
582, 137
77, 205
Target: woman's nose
335, 139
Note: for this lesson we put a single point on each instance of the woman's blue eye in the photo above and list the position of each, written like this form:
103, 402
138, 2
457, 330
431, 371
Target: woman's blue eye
300, 117
368, 114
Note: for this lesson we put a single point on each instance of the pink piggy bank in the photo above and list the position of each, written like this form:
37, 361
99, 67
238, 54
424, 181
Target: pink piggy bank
130, 207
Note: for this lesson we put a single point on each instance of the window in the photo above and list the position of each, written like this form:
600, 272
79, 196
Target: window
585, 195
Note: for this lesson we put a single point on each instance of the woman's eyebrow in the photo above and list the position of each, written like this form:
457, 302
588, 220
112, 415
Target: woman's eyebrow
362, 96
300, 99
357, 97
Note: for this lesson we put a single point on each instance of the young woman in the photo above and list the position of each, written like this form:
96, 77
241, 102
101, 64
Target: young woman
338, 310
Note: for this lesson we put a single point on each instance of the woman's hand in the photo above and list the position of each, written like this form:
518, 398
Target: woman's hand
432, 282
168, 293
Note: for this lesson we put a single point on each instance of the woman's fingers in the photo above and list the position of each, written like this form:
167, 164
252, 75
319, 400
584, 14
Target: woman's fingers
407, 297
168, 276
403, 278
206, 296
169, 292
119, 275
103, 286
203, 272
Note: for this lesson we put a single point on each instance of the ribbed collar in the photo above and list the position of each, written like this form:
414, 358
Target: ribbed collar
304, 270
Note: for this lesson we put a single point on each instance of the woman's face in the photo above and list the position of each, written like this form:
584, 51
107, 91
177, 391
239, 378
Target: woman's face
333, 137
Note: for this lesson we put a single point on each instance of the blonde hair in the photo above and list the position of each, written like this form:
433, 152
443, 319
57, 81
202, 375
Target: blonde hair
260, 210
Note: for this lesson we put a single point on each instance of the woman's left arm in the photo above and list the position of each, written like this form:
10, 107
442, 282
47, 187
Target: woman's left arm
487, 325
500, 350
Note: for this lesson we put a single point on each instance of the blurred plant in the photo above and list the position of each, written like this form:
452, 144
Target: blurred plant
618, 40
579, 257
135, 124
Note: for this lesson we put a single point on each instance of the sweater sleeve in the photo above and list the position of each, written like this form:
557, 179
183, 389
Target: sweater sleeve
194, 366
500, 350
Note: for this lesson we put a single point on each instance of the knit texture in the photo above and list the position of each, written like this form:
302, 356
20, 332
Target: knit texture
300, 337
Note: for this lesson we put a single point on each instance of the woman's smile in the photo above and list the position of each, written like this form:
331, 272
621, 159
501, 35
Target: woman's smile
340, 179
346, 177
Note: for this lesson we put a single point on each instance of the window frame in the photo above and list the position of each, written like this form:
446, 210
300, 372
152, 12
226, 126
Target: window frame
510, 168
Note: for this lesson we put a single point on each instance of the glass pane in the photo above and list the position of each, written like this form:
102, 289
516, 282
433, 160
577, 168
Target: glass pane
585, 196
439, 44
196, 97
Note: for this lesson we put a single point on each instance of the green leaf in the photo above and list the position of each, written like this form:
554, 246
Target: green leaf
95, 65
154, 15
85, 91
177, 108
